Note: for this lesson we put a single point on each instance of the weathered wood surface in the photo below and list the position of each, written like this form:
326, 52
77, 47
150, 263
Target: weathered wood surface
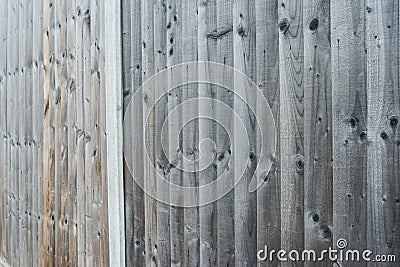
291, 70
382, 74
349, 122
53, 150
317, 126
310, 59
328, 69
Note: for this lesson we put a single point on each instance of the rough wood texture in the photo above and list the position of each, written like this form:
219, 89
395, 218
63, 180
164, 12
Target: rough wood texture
224, 217
291, 68
317, 126
267, 60
349, 123
329, 70
53, 181
308, 58
244, 37
206, 51
382, 57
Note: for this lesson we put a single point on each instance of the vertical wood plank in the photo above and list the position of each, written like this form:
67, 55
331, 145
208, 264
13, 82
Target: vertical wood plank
244, 34
99, 230
291, 123
382, 58
174, 49
64, 90
16, 141
133, 144
206, 129
85, 31
112, 88
22, 134
80, 135
161, 110
60, 105
317, 127
149, 176
10, 84
267, 63
29, 134
109, 255
47, 132
72, 133
128, 44
349, 123
56, 103
38, 130
186, 50
222, 38
3, 127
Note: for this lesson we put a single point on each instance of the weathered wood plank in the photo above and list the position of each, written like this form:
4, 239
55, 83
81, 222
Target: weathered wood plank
60, 105
22, 133
56, 104
161, 112
38, 130
70, 89
291, 123
317, 127
133, 144
186, 50
267, 63
29, 134
89, 140
105, 225
128, 44
99, 184
206, 129
174, 52
244, 34
383, 191
79, 129
349, 123
224, 217
48, 147
3, 131
149, 174
15, 135
10, 84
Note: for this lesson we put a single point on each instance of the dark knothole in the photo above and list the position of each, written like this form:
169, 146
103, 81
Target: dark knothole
284, 26
314, 24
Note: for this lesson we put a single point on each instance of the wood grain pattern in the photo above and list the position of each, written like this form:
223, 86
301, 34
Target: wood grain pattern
3, 129
329, 70
349, 123
224, 217
267, 64
382, 58
206, 51
53, 136
149, 174
132, 79
72, 135
317, 127
291, 124
244, 36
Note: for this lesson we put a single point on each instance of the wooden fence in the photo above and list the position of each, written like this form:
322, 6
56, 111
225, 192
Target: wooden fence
54, 146
329, 70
